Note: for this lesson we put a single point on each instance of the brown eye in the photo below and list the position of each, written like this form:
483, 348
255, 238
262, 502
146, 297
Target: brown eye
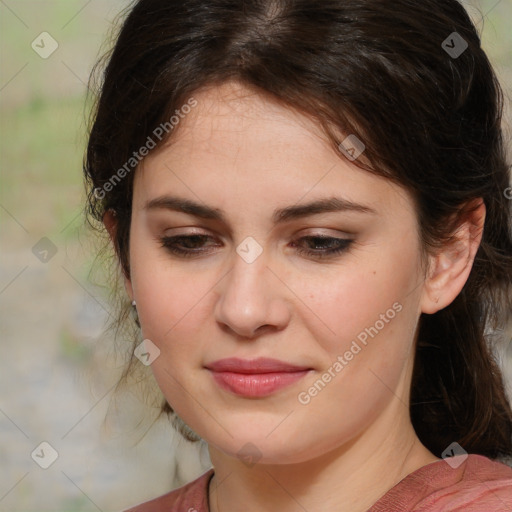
185, 245
326, 246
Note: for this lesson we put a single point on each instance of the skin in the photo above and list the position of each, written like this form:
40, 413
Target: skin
240, 152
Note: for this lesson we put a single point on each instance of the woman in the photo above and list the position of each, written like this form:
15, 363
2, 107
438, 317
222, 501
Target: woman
307, 202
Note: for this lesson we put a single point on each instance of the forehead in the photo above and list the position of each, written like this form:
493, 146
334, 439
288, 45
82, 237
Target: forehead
245, 141
232, 116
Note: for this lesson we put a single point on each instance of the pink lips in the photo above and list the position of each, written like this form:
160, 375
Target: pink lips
255, 378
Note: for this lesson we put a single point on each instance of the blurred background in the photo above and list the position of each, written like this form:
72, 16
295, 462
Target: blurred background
57, 368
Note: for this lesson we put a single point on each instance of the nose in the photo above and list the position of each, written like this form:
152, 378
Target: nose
252, 300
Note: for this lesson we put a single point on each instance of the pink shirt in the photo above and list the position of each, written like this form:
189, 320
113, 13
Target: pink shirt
477, 485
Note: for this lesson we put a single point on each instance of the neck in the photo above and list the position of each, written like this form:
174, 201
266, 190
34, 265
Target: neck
352, 477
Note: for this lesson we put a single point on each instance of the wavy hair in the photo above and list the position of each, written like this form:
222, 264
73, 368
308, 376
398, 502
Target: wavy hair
411, 80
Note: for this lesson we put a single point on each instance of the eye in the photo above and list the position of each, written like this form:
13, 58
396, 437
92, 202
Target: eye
185, 245
317, 246
329, 246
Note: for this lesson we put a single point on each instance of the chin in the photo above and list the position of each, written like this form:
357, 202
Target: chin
261, 448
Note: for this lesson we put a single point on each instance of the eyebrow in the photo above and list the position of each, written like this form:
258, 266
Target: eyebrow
281, 215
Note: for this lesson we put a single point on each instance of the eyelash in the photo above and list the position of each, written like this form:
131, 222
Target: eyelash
171, 243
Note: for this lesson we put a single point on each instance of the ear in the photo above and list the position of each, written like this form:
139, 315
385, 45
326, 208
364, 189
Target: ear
450, 267
110, 222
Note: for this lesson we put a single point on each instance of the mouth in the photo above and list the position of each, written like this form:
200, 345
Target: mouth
255, 378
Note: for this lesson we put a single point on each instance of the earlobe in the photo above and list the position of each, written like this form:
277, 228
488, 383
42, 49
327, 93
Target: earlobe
450, 266
110, 222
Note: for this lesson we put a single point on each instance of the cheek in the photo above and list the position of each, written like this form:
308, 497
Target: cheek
173, 309
364, 361
169, 300
174, 312
356, 298
370, 310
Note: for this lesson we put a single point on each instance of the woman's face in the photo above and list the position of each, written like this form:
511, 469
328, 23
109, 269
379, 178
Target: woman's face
259, 284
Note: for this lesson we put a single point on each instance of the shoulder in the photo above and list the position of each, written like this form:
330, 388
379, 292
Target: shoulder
470, 483
192, 497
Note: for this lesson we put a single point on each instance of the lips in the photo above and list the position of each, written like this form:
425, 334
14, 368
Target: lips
257, 377
260, 365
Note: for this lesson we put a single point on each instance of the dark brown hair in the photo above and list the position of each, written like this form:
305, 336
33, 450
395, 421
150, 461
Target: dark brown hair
427, 107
